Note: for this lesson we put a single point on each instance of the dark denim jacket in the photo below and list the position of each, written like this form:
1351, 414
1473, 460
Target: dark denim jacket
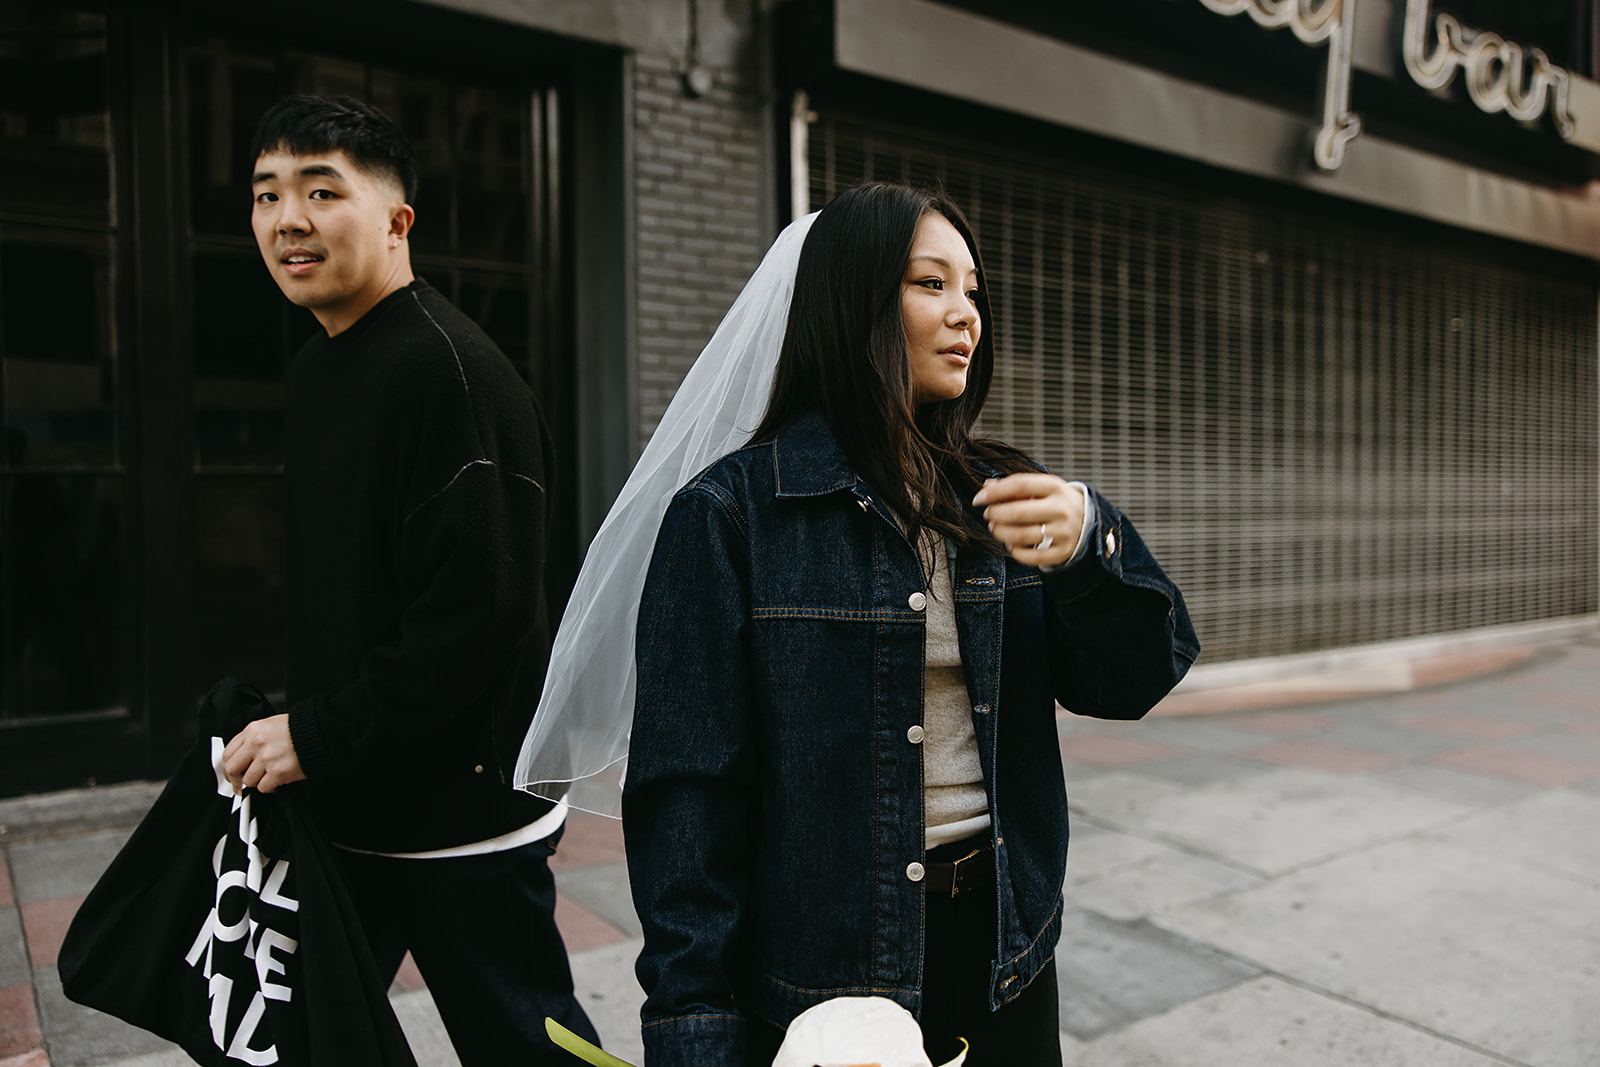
773, 804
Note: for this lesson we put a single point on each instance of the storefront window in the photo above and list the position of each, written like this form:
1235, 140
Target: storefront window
61, 494
61, 573
55, 137
56, 334
474, 154
142, 381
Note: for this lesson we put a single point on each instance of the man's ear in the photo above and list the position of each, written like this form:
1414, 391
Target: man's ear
400, 225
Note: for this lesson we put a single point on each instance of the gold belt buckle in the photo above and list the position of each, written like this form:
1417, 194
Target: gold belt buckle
955, 871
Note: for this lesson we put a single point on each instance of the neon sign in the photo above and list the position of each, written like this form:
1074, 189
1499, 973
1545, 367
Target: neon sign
1500, 75
1313, 22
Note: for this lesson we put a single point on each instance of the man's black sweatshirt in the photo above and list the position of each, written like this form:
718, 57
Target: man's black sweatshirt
416, 513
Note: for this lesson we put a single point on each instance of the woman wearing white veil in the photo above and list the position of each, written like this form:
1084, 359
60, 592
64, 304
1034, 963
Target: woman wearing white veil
834, 787
581, 728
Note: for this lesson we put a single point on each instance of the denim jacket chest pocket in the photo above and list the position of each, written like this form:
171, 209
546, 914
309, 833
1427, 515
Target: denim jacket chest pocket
841, 610
847, 576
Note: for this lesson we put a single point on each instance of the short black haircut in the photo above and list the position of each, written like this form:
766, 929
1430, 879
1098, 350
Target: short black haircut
312, 125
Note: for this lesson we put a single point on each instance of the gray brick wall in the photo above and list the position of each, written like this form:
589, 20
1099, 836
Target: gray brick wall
697, 184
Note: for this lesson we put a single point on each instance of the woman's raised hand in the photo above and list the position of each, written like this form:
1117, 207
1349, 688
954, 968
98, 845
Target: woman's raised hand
1038, 517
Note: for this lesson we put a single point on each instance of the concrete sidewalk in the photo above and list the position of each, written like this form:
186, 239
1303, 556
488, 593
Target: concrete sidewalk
1336, 872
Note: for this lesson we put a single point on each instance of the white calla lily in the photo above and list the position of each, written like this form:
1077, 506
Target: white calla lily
856, 1032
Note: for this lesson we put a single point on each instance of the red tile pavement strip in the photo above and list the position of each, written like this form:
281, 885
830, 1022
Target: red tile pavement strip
1563, 699
1285, 722
6, 899
1433, 698
582, 929
44, 924
1214, 701
1521, 766
1424, 672
1477, 727
1323, 756
1099, 750
1456, 666
19, 1022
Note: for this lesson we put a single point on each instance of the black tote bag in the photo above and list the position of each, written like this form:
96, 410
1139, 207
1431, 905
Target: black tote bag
222, 925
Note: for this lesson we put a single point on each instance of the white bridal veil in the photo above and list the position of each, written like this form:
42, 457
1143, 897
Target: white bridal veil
582, 724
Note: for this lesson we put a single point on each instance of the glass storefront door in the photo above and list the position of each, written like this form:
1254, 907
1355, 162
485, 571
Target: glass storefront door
143, 347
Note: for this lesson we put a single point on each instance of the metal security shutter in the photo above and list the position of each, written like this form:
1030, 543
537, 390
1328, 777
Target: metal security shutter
1331, 430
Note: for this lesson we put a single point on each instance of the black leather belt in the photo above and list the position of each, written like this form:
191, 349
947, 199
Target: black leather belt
974, 869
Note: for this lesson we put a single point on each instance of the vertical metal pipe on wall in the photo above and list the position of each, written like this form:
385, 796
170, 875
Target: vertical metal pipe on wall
799, 150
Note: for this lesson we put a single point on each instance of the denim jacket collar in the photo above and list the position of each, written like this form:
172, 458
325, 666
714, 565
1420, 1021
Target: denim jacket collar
807, 459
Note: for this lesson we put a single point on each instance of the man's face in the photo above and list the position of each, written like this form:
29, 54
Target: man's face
333, 235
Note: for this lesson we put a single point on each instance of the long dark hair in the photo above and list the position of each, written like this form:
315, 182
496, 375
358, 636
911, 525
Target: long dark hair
844, 351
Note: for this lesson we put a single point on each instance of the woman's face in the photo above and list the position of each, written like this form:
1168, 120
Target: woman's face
938, 301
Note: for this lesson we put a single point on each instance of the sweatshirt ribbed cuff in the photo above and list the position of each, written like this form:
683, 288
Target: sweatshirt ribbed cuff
310, 744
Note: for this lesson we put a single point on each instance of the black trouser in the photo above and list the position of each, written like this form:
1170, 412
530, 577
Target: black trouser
959, 945
483, 934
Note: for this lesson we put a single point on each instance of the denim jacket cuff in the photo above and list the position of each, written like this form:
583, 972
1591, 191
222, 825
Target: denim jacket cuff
1085, 534
1080, 577
695, 1041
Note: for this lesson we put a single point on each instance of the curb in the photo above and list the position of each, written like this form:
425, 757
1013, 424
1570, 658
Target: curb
76, 811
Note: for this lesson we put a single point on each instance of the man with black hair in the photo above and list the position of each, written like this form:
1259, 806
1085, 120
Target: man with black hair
416, 505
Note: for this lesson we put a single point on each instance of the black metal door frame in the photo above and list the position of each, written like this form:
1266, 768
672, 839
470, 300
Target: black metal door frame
157, 397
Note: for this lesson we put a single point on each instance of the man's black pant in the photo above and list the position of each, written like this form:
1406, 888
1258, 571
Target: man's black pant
482, 931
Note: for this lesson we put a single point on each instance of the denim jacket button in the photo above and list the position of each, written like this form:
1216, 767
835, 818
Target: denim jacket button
917, 601
1111, 544
914, 871
914, 735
